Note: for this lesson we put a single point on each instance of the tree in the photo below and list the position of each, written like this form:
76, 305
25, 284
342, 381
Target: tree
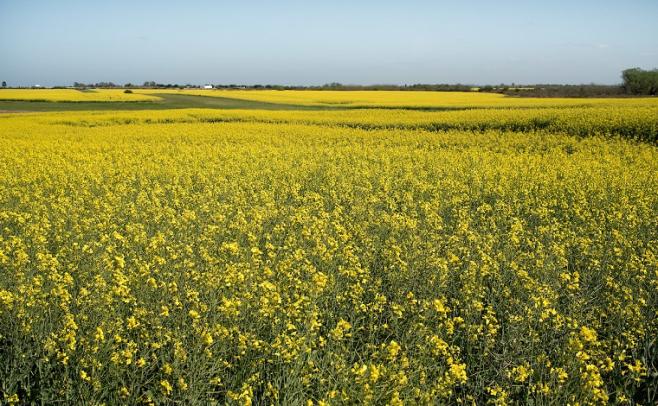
4, 84
640, 82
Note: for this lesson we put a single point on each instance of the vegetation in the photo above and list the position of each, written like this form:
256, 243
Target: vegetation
591, 90
641, 82
93, 99
72, 95
498, 255
407, 100
163, 101
635, 123
441, 87
636, 82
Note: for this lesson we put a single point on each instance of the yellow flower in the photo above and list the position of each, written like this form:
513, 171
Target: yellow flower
207, 338
132, 322
12, 399
182, 385
458, 372
341, 328
561, 375
166, 387
393, 349
588, 334
99, 336
637, 369
521, 373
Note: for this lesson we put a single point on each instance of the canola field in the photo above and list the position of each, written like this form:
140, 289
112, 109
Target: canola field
372, 256
72, 95
403, 99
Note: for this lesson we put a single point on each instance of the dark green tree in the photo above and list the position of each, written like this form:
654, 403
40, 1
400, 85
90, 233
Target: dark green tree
640, 82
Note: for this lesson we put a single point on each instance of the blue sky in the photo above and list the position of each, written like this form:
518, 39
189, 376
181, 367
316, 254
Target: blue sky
312, 42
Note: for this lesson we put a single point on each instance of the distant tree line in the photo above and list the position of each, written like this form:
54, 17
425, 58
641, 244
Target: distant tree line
636, 82
329, 86
80, 85
154, 84
551, 90
111, 85
439, 87
640, 82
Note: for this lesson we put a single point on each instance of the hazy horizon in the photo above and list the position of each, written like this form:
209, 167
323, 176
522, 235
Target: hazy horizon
303, 43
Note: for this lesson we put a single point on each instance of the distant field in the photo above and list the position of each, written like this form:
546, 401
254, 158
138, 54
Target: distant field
72, 95
164, 101
258, 251
159, 99
405, 99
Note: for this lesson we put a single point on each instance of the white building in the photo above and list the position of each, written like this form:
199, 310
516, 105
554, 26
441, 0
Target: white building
207, 86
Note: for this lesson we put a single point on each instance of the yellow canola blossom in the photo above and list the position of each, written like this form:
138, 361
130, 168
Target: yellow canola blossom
365, 256
638, 123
